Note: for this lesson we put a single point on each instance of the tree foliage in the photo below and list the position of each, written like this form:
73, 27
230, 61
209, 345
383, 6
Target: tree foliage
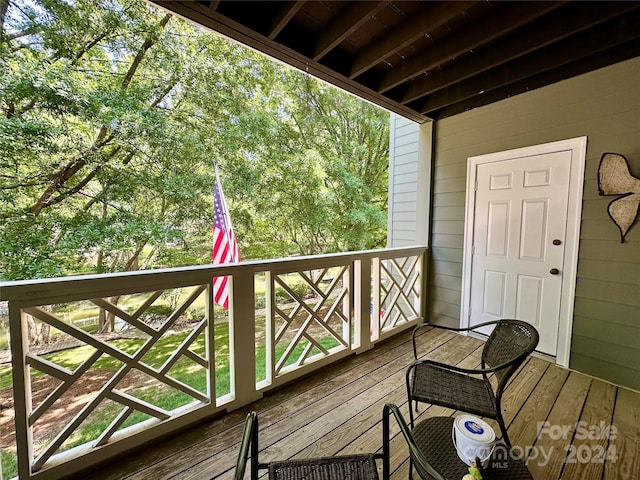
112, 114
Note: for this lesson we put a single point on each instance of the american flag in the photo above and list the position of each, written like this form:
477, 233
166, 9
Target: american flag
225, 247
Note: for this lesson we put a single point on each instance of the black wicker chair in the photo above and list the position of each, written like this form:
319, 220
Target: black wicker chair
355, 467
434, 457
416, 456
469, 390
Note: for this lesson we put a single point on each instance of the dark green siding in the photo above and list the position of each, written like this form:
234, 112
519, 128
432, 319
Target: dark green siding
603, 105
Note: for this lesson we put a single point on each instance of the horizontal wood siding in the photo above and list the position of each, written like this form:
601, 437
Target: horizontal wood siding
410, 162
604, 105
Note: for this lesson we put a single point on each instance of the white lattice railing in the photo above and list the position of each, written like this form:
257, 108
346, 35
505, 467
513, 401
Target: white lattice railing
174, 358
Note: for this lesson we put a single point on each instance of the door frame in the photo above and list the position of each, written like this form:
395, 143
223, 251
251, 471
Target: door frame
578, 148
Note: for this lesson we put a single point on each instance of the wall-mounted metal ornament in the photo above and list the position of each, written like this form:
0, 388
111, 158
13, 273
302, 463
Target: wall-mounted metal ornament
614, 178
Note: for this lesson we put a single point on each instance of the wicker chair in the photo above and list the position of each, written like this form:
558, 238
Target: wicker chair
416, 456
434, 457
355, 467
471, 390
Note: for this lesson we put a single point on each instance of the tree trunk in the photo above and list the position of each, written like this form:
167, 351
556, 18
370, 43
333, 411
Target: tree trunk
4, 6
75, 165
108, 319
39, 333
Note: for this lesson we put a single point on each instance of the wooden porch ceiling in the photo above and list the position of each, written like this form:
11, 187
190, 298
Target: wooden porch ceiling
428, 60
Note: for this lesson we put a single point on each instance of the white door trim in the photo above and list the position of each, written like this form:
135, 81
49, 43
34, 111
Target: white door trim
578, 148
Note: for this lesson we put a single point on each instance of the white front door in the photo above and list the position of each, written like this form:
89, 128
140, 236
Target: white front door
519, 240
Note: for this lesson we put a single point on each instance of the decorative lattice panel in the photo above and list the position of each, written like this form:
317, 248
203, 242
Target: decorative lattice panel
311, 315
152, 364
397, 294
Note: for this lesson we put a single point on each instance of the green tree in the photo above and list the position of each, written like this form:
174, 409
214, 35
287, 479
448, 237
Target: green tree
98, 106
352, 138
313, 167
112, 114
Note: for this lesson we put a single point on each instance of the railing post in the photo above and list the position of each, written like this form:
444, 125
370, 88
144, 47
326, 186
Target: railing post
376, 285
242, 338
347, 302
210, 344
21, 388
362, 304
424, 285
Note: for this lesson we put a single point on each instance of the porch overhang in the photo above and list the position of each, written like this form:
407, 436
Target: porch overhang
429, 60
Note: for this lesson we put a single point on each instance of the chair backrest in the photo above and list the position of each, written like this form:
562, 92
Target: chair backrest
418, 460
248, 447
509, 344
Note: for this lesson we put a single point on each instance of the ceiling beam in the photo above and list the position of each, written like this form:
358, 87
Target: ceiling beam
512, 49
245, 35
400, 37
535, 36
347, 21
600, 39
584, 65
283, 17
508, 17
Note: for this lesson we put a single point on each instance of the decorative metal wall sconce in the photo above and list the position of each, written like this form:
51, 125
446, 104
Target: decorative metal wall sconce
614, 178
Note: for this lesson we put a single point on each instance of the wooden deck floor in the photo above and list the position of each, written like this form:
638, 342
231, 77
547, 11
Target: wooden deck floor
339, 410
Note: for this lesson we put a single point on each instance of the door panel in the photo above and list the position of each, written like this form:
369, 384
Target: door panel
521, 207
534, 214
494, 293
498, 232
529, 298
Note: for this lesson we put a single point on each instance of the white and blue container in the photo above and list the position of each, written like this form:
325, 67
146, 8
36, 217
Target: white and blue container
473, 438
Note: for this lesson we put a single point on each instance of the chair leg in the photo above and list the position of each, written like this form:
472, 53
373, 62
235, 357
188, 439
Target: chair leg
503, 429
411, 412
386, 446
410, 383
410, 401
254, 451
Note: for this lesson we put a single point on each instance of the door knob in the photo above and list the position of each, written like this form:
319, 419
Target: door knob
554, 271
557, 242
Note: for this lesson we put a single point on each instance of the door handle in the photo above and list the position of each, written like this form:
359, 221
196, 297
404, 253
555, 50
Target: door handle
554, 271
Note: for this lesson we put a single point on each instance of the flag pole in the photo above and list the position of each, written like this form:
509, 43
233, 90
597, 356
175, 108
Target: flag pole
225, 212
225, 247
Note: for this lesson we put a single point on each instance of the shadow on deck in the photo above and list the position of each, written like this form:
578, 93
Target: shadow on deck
339, 411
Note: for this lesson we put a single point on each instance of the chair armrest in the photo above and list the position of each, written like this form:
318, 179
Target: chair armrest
424, 325
471, 371
442, 327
